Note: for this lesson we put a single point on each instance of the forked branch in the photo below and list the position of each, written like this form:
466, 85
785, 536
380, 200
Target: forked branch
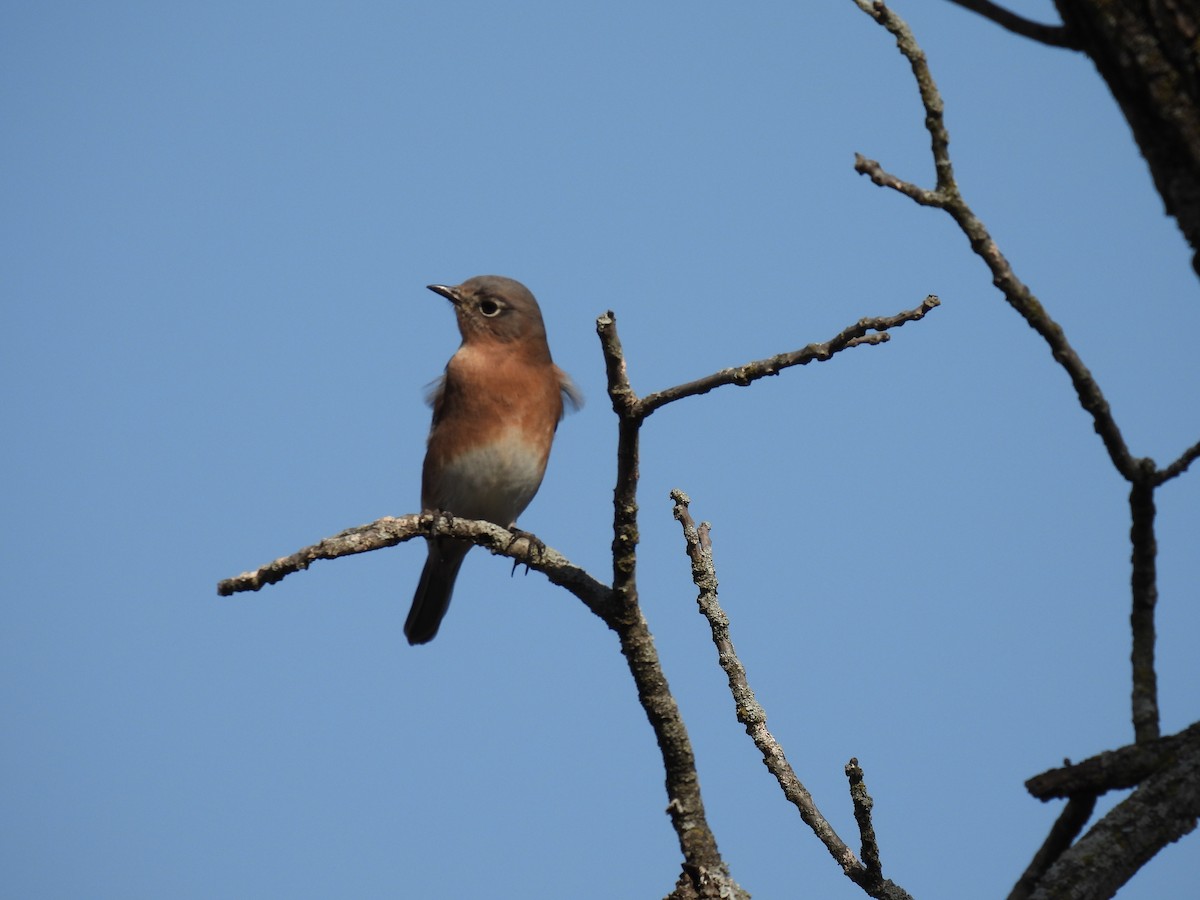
867, 874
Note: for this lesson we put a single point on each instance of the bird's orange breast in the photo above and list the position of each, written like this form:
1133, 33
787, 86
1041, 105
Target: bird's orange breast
494, 422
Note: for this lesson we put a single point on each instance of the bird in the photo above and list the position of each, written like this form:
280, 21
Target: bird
495, 411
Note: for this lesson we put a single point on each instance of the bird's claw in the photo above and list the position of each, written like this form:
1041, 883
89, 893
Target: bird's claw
533, 547
432, 518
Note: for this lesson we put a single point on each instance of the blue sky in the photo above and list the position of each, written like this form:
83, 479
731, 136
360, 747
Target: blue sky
218, 221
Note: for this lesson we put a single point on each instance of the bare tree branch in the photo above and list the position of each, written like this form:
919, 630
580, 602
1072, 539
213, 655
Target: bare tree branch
389, 531
1112, 770
1180, 465
947, 197
705, 873
1083, 782
863, 804
931, 99
754, 718
1052, 35
1146, 52
702, 861
1144, 585
865, 331
625, 401
1066, 828
1164, 808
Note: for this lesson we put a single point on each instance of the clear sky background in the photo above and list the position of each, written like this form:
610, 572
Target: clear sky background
218, 222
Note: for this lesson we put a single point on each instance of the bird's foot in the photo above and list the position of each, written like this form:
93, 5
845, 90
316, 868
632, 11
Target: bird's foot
432, 518
533, 547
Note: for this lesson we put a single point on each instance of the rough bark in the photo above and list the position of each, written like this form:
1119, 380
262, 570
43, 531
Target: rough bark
1148, 53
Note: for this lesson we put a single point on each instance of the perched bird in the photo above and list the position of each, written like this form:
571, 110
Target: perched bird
495, 411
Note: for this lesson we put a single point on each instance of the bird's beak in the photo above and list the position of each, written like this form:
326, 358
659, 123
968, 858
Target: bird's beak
450, 293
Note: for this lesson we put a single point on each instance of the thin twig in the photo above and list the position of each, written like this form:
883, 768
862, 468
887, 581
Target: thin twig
863, 805
1051, 35
931, 99
1190, 455
873, 330
624, 400
751, 714
385, 532
630, 416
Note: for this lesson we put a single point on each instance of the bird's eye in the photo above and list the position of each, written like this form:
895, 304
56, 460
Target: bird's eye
489, 308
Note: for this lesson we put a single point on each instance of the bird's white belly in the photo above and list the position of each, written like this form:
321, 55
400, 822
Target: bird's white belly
494, 482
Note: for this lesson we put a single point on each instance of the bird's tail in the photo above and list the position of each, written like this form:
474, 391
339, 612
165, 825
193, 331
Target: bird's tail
432, 598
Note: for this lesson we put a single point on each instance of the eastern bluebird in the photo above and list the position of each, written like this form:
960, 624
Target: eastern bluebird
495, 411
